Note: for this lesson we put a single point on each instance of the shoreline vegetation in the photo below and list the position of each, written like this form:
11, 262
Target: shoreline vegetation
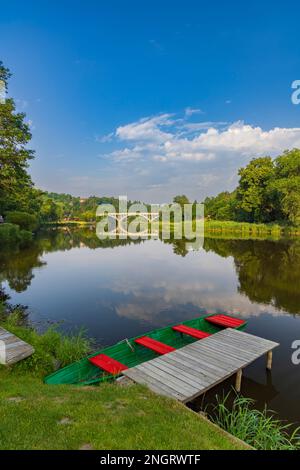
72, 417
221, 226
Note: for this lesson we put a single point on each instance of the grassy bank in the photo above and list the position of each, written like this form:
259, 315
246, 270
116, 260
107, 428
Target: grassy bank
244, 228
11, 234
67, 223
38, 416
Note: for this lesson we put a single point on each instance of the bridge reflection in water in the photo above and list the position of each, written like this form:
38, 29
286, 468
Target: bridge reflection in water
120, 228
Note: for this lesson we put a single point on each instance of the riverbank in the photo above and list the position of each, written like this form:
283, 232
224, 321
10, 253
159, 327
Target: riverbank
225, 227
37, 416
244, 228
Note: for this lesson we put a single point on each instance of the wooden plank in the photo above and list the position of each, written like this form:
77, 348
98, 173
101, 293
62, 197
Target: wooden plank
218, 354
164, 379
185, 374
242, 345
169, 377
12, 348
230, 351
144, 379
200, 364
249, 338
191, 365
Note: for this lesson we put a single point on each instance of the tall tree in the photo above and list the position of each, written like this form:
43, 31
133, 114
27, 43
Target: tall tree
287, 184
252, 203
15, 182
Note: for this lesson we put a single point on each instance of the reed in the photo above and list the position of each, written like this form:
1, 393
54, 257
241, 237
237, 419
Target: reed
260, 429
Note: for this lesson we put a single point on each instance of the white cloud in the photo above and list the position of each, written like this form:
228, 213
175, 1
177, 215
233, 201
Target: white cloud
105, 138
248, 139
190, 111
164, 138
159, 156
146, 129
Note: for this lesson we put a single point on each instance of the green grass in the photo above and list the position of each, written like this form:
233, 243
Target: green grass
69, 222
52, 349
259, 429
245, 228
37, 416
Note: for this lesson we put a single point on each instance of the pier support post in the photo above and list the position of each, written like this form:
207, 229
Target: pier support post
269, 359
238, 380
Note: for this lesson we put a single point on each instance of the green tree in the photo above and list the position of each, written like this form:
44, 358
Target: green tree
221, 207
181, 200
286, 185
50, 210
16, 187
253, 205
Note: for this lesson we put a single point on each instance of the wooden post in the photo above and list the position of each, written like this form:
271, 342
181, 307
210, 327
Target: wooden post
269, 359
238, 380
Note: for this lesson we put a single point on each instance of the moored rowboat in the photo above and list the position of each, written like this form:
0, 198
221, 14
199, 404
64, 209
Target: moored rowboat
109, 362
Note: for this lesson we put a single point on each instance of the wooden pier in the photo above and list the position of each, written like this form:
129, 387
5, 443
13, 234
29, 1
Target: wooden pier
12, 348
190, 371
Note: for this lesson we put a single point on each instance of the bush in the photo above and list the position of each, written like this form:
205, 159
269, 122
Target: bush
23, 219
9, 233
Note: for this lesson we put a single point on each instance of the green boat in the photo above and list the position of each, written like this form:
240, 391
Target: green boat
131, 352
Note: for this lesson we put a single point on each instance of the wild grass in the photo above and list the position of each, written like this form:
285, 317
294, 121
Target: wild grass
249, 228
52, 349
259, 429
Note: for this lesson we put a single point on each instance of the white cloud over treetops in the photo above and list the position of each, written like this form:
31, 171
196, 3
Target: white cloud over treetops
157, 157
166, 138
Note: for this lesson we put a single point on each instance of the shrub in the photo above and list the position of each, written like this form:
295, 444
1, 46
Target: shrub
9, 233
23, 219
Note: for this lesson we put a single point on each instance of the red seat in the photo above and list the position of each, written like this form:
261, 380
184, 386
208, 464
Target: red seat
107, 363
225, 320
187, 330
157, 346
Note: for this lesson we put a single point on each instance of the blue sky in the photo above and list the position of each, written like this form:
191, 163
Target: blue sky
152, 99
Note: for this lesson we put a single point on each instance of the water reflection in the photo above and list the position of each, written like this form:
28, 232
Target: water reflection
268, 271
234, 275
